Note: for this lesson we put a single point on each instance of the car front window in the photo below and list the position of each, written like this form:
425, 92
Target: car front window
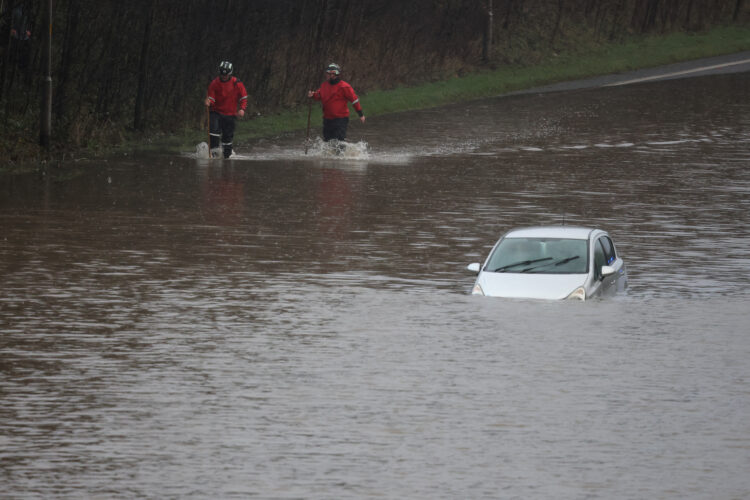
599, 259
609, 249
539, 255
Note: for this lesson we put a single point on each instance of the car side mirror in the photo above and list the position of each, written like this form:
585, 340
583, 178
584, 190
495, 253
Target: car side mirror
474, 267
607, 270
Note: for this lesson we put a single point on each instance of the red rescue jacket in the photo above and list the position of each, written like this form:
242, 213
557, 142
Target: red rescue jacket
226, 96
335, 97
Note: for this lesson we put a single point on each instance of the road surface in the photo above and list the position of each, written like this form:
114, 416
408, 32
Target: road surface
730, 63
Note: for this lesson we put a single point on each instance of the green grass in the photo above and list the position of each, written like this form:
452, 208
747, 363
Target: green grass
592, 61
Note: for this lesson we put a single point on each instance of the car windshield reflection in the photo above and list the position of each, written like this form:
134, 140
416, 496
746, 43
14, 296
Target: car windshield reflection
539, 255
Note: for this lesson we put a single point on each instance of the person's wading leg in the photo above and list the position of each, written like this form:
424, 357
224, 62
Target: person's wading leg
335, 129
327, 129
227, 134
214, 130
340, 126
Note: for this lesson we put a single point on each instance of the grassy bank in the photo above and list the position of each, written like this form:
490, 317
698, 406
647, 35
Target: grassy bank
592, 61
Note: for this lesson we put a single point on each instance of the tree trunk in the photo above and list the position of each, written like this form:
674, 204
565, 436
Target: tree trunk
68, 50
45, 120
143, 70
5, 34
649, 19
560, 7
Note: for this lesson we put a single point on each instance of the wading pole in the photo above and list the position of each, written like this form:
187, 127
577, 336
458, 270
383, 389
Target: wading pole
309, 112
208, 127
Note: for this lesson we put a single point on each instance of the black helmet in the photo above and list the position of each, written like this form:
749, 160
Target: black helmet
225, 68
334, 67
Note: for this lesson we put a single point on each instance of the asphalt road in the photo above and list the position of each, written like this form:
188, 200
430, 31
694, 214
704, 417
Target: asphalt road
730, 63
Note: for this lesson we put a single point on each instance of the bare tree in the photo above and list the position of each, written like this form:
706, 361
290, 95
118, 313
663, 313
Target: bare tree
140, 95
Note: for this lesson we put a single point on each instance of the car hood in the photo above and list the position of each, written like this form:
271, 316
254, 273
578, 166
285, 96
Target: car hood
530, 286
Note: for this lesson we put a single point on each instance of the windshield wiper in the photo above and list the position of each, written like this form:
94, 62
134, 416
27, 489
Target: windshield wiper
522, 263
565, 261
558, 263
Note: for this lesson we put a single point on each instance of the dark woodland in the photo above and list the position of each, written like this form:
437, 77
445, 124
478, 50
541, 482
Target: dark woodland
144, 65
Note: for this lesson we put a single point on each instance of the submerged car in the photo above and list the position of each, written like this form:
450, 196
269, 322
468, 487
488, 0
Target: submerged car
552, 262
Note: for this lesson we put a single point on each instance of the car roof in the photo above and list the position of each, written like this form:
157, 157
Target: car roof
571, 232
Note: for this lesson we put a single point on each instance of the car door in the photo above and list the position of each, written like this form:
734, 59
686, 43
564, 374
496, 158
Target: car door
604, 255
598, 286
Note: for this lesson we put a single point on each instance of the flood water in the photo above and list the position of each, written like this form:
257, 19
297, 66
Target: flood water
285, 325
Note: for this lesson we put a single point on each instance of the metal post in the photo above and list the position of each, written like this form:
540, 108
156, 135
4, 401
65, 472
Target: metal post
487, 45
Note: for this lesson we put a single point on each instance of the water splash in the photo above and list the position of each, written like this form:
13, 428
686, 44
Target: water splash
316, 149
339, 149
202, 152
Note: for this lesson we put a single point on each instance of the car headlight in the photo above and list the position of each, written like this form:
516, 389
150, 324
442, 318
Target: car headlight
579, 293
477, 290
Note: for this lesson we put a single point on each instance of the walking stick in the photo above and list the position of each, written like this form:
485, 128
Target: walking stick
309, 111
208, 126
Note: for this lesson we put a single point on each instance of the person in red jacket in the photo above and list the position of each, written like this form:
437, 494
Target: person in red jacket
334, 95
225, 94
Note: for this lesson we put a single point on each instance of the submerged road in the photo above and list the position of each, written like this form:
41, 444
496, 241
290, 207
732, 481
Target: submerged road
300, 326
729, 63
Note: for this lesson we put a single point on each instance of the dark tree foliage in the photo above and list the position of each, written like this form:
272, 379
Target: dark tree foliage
146, 64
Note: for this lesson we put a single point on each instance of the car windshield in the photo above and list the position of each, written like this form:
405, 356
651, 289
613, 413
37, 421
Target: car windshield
539, 255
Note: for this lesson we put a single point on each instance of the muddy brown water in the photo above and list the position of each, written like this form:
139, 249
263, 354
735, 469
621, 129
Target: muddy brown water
284, 325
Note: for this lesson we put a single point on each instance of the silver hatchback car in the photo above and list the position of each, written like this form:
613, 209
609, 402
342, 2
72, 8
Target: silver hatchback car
552, 262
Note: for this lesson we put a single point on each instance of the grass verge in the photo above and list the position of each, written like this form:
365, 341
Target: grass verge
637, 53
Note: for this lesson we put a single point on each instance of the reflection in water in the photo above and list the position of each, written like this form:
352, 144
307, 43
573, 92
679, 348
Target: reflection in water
223, 197
335, 201
283, 325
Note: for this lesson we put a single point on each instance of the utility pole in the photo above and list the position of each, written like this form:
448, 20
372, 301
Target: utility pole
45, 122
